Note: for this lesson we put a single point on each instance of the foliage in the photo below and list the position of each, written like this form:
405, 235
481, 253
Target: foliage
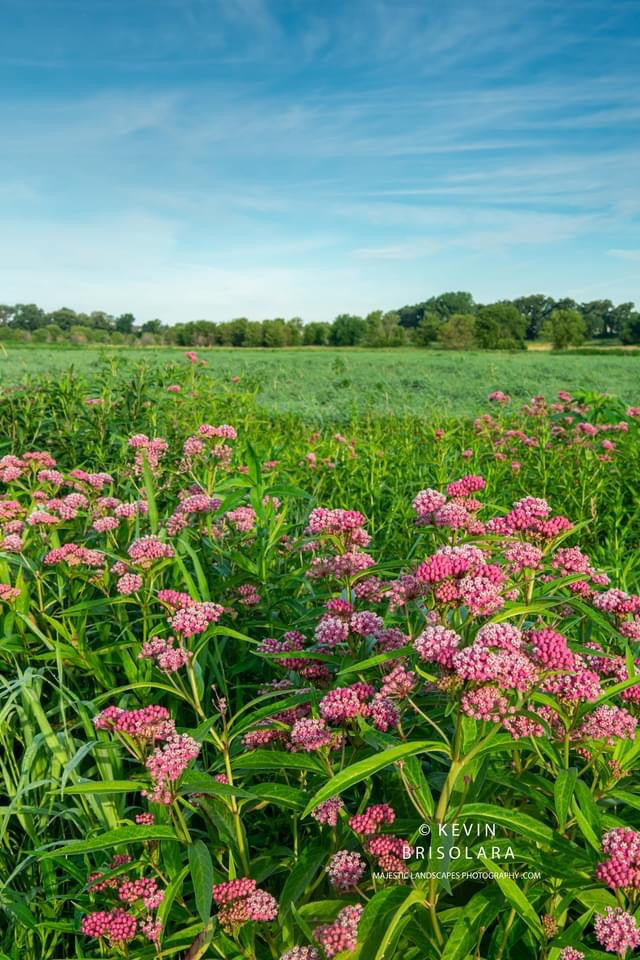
565, 328
305, 713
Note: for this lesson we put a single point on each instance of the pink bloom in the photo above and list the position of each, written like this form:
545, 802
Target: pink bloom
7, 592
129, 583
616, 931
370, 821
117, 926
167, 764
328, 812
346, 869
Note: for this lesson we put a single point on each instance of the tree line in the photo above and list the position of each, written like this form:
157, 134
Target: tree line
450, 320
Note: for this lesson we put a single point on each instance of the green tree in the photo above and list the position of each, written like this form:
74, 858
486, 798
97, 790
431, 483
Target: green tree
384, 330
630, 332
347, 330
565, 328
152, 326
294, 331
316, 334
274, 333
28, 316
535, 308
125, 322
428, 328
458, 332
597, 315
500, 326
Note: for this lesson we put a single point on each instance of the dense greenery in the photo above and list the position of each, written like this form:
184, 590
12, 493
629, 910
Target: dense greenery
332, 384
451, 320
146, 498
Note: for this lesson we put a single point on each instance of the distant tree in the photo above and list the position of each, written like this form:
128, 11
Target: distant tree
428, 328
238, 330
28, 316
384, 330
254, 334
316, 334
620, 318
565, 328
151, 326
535, 308
347, 330
411, 316
630, 332
294, 332
124, 323
6, 313
446, 304
65, 318
500, 326
458, 332
598, 317
274, 333
100, 320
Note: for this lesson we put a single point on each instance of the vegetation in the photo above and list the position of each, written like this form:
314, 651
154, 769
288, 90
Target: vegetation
497, 326
333, 385
250, 665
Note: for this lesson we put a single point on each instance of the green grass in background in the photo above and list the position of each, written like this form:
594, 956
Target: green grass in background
339, 384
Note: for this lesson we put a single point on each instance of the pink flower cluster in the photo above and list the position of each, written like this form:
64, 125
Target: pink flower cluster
149, 451
195, 618
147, 723
346, 869
617, 931
168, 657
74, 556
145, 551
622, 869
167, 764
240, 901
342, 934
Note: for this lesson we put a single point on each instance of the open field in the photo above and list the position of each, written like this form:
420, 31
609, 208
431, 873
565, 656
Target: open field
256, 633
326, 384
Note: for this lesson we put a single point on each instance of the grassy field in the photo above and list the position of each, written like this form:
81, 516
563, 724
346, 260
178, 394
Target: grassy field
330, 384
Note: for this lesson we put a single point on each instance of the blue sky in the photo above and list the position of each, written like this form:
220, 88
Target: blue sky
217, 158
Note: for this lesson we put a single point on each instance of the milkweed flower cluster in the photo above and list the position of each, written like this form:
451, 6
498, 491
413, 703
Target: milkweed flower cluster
622, 868
617, 931
165, 654
148, 451
240, 900
341, 935
141, 896
346, 869
167, 764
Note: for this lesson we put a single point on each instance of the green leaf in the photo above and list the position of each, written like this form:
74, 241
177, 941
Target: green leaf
516, 897
366, 768
280, 794
276, 760
387, 915
202, 877
301, 875
105, 786
112, 838
476, 916
562, 793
